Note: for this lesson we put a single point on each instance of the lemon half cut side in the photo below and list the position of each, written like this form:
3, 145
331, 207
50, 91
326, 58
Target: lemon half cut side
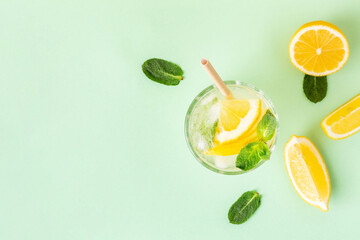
319, 48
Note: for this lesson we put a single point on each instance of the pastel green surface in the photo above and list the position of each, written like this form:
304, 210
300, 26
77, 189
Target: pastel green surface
92, 149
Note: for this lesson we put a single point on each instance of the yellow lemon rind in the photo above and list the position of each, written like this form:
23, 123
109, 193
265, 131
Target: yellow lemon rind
323, 206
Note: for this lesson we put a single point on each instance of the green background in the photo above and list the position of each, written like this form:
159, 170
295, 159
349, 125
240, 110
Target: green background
92, 149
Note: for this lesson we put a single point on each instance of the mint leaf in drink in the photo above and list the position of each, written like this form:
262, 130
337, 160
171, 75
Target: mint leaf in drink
266, 127
207, 130
251, 155
213, 128
206, 123
244, 207
163, 71
315, 88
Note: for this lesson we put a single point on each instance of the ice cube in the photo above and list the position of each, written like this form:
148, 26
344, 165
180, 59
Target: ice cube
202, 144
214, 113
224, 162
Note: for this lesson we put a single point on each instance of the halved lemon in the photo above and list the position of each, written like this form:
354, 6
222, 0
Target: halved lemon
236, 117
319, 48
344, 121
307, 172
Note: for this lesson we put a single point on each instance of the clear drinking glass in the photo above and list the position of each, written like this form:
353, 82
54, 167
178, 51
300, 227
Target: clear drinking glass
204, 110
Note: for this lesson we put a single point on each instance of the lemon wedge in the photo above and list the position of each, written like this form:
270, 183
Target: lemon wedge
236, 117
307, 172
344, 121
233, 148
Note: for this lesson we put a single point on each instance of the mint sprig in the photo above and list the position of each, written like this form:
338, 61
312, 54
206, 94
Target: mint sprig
266, 127
251, 154
254, 152
315, 88
163, 71
244, 207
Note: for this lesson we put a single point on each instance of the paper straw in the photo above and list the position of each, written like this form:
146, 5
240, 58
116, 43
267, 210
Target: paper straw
216, 78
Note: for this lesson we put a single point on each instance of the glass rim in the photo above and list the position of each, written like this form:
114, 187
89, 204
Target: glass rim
199, 97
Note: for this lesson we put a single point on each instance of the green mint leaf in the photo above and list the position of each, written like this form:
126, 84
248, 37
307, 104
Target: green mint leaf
267, 126
213, 129
204, 124
207, 130
251, 155
315, 88
244, 207
163, 71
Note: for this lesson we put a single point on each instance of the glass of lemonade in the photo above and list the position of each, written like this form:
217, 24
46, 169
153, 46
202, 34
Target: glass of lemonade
202, 124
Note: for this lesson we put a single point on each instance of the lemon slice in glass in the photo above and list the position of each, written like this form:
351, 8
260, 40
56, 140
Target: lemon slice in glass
236, 117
